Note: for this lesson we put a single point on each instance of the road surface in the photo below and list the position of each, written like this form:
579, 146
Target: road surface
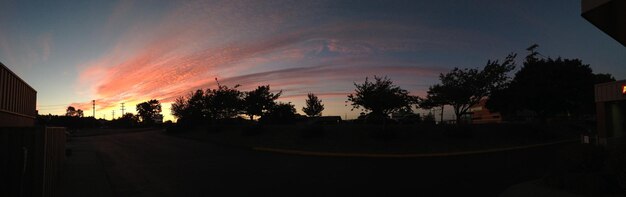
152, 163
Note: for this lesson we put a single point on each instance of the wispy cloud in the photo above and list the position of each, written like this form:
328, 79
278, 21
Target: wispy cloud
182, 53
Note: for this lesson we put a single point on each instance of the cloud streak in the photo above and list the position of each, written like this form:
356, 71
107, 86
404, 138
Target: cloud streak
182, 54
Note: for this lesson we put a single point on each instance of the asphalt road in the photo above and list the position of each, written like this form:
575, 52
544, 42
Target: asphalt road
152, 163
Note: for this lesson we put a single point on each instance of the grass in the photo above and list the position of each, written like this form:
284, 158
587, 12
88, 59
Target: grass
362, 138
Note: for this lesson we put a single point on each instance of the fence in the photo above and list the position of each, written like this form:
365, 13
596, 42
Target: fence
31, 160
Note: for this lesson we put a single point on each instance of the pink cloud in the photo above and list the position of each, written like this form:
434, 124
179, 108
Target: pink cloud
181, 54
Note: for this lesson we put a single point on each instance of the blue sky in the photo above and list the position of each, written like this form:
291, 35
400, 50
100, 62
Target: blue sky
130, 51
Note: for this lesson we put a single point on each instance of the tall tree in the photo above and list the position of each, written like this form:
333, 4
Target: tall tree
259, 100
464, 88
314, 106
549, 87
191, 109
148, 110
224, 102
435, 98
380, 97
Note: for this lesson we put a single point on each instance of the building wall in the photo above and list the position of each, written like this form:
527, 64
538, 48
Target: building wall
610, 110
612, 91
17, 100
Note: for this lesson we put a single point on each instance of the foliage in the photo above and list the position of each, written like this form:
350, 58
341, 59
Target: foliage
381, 97
464, 88
207, 106
148, 110
280, 113
259, 101
71, 111
549, 88
314, 106
224, 102
407, 116
190, 109
434, 98
127, 120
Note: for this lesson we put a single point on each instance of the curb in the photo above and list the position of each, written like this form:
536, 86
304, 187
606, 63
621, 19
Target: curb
417, 155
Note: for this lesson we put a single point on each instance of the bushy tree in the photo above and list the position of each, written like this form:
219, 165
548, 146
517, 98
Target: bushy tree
148, 110
209, 106
435, 98
71, 111
259, 101
224, 102
549, 87
280, 113
464, 88
380, 97
127, 120
314, 106
191, 109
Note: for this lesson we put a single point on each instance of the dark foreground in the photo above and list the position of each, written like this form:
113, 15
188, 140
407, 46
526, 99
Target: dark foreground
154, 164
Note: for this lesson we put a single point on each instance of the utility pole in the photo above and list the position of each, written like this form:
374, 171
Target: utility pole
105, 116
93, 102
122, 109
112, 114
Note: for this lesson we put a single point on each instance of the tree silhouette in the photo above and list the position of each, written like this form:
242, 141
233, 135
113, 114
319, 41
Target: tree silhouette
71, 111
191, 109
127, 120
314, 106
549, 87
280, 113
435, 98
380, 97
259, 100
148, 110
224, 102
464, 88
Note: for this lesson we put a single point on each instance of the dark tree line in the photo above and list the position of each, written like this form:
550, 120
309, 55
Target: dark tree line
546, 88
464, 88
380, 98
217, 105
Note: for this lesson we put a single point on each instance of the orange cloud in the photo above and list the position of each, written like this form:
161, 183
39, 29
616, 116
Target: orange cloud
181, 53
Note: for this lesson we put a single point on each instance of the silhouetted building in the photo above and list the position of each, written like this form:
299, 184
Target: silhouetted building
611, 109
481, 115
608, 16
17, 100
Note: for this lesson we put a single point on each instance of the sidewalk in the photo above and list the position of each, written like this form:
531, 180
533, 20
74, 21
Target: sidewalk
84, 174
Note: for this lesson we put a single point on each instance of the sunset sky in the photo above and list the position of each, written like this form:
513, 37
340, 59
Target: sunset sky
116, 52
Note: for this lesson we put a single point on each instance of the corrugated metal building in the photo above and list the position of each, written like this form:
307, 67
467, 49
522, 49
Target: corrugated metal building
608, 16
17, 100
611, 109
